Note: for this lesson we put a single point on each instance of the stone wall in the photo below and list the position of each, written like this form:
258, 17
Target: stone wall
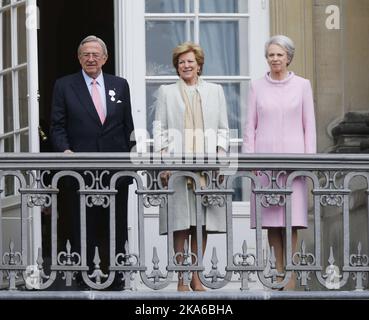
335, 60
342, 67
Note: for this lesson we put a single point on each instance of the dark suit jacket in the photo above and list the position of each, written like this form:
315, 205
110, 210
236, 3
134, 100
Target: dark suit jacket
75, 124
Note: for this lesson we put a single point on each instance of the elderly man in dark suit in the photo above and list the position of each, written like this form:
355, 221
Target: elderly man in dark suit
91, 112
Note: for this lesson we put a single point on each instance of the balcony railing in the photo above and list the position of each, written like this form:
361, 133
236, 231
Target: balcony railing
332, 254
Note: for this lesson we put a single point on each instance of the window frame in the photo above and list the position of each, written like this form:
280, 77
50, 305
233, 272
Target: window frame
196, 17
13, 71
11, 203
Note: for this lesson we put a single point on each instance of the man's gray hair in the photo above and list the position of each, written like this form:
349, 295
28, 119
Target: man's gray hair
93, 39
284, 42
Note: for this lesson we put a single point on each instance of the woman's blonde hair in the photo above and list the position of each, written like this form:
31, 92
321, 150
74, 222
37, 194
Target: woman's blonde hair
188, 47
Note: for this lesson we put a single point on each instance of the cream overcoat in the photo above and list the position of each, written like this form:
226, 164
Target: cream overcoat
168, 132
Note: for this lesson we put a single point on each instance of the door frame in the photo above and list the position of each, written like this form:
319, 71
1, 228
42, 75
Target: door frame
32, 24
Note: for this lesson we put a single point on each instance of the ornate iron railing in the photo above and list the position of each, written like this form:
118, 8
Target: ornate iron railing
318, 264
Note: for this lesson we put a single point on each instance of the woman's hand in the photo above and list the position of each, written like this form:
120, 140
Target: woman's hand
164, 177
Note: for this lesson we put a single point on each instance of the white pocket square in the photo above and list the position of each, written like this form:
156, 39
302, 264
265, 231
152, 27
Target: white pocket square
119, 101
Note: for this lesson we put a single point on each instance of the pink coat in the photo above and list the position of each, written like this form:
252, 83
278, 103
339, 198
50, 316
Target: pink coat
280, 119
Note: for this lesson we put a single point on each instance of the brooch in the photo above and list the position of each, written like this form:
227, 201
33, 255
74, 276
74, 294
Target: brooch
112, 95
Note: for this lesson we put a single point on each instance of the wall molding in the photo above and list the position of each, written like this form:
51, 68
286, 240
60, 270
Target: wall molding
294, 18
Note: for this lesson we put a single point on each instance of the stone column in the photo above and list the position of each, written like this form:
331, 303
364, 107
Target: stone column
294, 19
329, 72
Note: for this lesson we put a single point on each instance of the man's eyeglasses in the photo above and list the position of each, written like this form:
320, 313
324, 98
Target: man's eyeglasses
96, 56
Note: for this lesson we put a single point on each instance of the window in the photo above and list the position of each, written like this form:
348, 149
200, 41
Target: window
220, 27
14, 131
232, 34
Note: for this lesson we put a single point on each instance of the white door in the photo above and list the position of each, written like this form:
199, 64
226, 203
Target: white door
18, 107
232, 34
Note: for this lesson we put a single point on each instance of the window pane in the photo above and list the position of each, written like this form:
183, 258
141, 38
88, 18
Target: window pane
224, 52
9, 181
22, 42
23, 101
168, 6
8, 103
9, 186
161, 38
5, 2
221, 6
7, 62
24, 142
9, 144
236, 97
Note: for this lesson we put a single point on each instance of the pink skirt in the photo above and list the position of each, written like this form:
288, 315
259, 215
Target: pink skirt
274, 215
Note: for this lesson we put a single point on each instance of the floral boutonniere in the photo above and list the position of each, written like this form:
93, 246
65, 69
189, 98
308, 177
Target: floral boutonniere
112, 95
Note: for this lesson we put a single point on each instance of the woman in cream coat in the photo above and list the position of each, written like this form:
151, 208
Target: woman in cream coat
184, 108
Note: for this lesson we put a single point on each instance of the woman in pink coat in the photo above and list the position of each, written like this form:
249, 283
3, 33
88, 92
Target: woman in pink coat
280, 119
